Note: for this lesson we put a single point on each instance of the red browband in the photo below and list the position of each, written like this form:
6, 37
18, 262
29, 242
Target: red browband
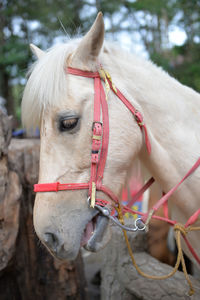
100, 141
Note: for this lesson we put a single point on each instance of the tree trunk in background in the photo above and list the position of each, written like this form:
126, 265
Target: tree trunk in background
27, 270
6, 89
5, 77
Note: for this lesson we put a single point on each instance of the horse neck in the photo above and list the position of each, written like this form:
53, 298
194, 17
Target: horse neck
171, 112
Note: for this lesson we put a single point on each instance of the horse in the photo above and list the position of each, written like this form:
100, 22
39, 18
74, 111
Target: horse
61, 103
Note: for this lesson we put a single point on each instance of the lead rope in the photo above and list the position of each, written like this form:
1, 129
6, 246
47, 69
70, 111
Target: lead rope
179, 229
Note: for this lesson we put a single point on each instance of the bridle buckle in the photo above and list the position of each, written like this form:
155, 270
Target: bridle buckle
96, 122
138, 117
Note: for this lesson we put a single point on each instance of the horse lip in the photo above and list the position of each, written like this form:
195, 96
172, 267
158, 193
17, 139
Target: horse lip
95, 242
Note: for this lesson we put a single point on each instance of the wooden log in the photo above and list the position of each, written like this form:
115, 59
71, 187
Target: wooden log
120, 280
10, 192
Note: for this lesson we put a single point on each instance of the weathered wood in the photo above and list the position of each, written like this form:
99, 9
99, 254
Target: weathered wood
5, 136
120, 280
10, 192
5, 133
9, 220
27, 270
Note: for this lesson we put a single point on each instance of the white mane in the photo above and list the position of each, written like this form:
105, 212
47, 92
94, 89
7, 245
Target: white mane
46, 85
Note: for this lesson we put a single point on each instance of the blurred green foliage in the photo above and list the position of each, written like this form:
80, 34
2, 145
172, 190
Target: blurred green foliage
41, 21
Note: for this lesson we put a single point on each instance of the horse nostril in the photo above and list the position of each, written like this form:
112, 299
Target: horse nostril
51, 240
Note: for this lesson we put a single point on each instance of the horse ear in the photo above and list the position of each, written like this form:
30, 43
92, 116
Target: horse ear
91, 44
37, 51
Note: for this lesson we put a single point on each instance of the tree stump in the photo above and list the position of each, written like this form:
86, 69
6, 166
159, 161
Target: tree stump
27, 270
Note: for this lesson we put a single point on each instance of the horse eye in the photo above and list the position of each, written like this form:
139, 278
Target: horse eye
68, 124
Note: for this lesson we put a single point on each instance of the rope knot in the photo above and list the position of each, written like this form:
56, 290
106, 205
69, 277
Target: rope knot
181, 228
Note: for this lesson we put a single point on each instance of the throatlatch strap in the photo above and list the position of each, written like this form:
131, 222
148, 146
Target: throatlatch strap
135, 112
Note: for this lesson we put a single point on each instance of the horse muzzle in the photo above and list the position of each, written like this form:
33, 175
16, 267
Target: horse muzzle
93, 234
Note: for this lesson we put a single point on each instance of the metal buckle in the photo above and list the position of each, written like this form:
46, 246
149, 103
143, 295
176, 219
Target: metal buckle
138, 117
93, 124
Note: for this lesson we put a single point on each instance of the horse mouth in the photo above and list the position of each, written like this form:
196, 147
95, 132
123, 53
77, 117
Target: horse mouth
95, 235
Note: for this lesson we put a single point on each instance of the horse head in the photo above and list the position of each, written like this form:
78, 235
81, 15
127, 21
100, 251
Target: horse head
62, 104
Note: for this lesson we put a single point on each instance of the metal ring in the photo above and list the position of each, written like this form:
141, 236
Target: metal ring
138, 223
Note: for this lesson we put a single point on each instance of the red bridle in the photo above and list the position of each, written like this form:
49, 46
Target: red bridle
100, 141
100, 138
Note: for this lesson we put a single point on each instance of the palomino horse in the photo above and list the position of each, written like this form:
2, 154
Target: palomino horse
60, 98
